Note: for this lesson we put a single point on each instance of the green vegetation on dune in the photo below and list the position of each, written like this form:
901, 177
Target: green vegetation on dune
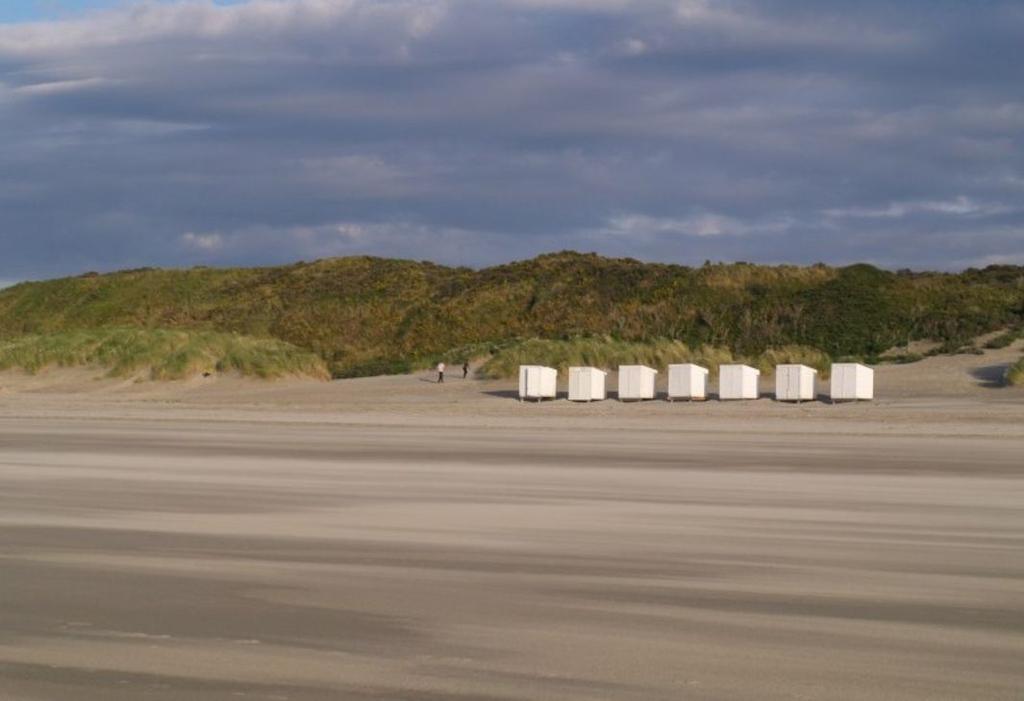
369, 316
659, 353
166, 354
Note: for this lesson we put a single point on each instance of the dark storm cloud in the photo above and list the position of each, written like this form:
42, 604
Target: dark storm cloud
473, 132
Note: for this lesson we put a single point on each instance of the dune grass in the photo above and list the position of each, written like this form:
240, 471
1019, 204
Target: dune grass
165, 354
367, 316
1015, 373
609, 353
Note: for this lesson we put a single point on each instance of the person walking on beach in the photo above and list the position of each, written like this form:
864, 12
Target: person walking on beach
465, 370
440, 372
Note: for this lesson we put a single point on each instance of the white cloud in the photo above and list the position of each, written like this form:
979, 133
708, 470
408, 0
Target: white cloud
63, 86
959, 206
203, 242
702, 224
633, 46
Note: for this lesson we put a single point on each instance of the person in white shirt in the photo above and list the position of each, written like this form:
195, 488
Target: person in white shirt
440, 372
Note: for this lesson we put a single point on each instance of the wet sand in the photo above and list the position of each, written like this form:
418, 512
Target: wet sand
224, 542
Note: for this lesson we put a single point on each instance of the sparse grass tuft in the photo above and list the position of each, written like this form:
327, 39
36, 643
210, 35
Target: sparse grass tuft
901, 358
1015, 373
166, 354
802, 355
1007, 339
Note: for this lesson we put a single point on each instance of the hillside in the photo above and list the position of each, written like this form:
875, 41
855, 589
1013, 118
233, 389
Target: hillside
366, 315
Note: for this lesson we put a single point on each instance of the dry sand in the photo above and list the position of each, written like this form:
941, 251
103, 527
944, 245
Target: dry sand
390, 538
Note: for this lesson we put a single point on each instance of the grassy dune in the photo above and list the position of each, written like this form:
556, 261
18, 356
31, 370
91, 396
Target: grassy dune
165, 354
609, 353
365, 316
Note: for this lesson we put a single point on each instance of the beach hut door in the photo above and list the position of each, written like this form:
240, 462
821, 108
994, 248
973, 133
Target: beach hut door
793, 383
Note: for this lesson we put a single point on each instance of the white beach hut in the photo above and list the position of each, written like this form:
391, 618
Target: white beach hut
794, 383
586, 384
852, 381
738, 382
636, 382
537, 382
687, 381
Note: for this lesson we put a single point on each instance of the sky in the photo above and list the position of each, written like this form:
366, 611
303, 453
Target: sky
473, 132
35, 10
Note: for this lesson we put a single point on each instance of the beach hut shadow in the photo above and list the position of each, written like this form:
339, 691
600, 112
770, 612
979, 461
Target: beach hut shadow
502, 393
561, 394
990, 376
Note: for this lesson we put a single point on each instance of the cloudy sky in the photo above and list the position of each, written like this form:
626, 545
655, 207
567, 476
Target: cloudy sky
189, 132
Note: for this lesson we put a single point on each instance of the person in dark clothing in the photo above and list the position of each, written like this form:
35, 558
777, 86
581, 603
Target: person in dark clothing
465, 370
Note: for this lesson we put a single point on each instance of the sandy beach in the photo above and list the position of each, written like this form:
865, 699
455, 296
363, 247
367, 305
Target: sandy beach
389, 538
